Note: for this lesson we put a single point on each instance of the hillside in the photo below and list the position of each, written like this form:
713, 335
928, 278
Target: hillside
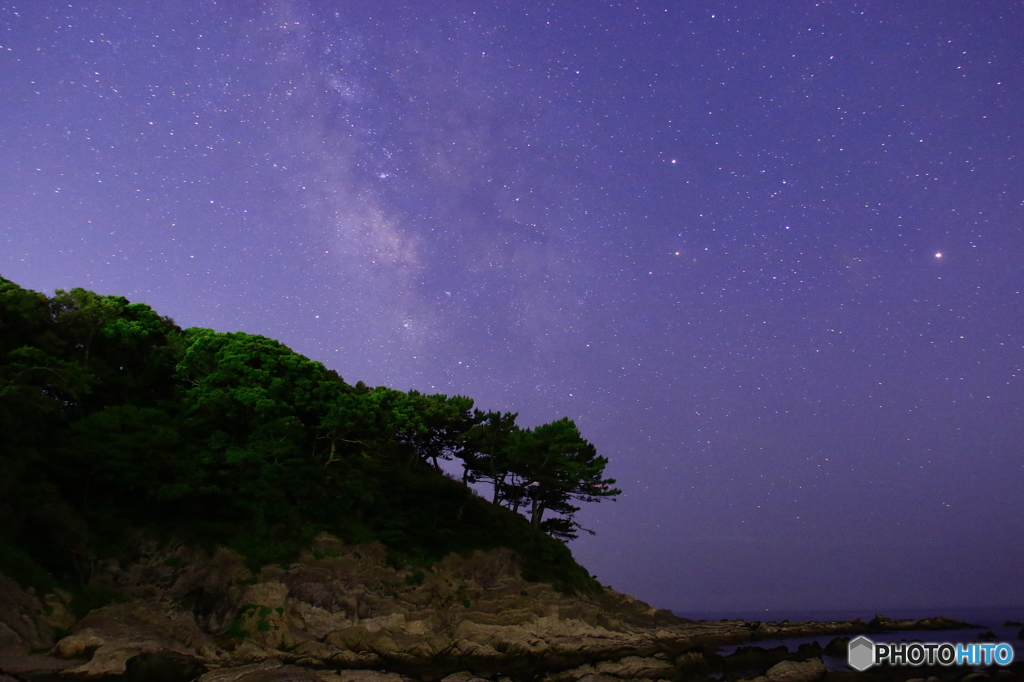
182, 504
116, 424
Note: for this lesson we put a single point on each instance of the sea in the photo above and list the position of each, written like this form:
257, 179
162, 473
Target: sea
985, 620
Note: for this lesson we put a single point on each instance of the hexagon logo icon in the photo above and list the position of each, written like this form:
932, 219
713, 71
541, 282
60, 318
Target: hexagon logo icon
861, 654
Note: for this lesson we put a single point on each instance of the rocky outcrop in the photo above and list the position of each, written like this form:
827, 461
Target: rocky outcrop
111, 637
342, 614
24, 626
794, 671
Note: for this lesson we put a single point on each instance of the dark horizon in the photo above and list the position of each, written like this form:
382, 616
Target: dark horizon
767, 259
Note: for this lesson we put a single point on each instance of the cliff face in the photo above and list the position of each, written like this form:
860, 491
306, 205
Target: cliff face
341, 613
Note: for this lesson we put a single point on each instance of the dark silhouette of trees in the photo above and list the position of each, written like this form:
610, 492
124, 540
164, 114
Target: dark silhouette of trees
113, 417
537, 470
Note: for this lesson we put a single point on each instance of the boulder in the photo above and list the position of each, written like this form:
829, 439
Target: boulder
23, 624
109, 637
796, 671
58, 610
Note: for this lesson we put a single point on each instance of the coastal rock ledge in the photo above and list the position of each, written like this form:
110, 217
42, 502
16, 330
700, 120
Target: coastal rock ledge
341, 614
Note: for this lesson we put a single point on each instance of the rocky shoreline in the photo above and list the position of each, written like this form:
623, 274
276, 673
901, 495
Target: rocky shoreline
341, 614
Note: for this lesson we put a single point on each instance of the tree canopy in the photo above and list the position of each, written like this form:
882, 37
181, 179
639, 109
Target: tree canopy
113, 418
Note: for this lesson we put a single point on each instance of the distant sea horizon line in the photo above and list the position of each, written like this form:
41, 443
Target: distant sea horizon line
988, 616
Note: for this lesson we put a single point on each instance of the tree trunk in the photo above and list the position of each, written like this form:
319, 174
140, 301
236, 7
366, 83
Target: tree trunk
498, 483
331, 457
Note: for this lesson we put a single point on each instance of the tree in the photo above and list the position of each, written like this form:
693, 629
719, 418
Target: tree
251, 413
434, 425
24, 317
125, 347
363, 422
485, 451
244, 382
552, 466
114, 420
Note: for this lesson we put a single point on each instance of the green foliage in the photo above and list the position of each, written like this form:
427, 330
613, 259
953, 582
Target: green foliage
24, 316
24, 570
236, 631
539, 470
114, 420
556, 465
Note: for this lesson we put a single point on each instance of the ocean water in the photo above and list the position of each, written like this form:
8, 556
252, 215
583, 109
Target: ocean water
985, 618
989, 617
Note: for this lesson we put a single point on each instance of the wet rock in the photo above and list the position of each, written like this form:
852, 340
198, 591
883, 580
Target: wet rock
839, 647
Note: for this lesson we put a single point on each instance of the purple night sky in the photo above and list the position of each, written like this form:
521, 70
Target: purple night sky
769, 256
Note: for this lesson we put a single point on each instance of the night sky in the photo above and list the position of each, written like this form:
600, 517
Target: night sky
769, 256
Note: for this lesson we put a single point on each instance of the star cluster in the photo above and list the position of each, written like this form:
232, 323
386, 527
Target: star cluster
767, 258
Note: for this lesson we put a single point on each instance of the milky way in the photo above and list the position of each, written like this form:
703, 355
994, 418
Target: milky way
768, 256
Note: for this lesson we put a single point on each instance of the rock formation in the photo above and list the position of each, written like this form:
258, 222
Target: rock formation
342, 614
